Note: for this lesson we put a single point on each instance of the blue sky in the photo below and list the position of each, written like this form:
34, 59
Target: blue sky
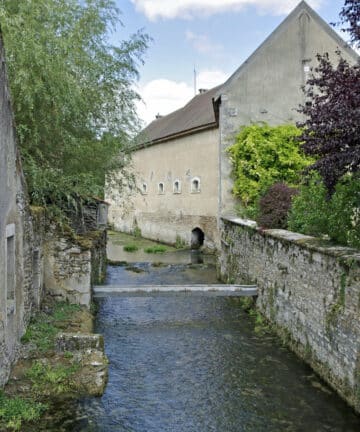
215, 36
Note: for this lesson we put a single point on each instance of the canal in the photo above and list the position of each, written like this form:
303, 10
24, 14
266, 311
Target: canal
197, 363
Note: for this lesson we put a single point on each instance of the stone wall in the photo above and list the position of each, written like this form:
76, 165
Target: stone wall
309, 290
72, 265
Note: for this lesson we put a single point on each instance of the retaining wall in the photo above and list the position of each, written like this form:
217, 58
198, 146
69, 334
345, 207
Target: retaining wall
309, 290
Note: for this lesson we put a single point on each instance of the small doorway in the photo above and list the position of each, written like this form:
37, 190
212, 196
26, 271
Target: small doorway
197, 238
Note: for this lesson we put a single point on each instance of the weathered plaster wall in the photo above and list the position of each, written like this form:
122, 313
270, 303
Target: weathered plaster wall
164, 216
310, 292
267, 87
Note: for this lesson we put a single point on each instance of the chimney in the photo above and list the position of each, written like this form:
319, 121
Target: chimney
202, 91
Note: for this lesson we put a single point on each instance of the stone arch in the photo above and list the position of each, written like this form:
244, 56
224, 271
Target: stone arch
197, 238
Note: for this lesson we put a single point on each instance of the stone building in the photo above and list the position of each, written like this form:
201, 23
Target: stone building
181, 165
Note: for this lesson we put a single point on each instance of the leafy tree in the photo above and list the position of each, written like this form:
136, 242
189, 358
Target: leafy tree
350, 14
261, 156
331, 129
72, 92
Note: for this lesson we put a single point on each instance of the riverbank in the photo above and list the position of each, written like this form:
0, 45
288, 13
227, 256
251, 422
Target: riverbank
60, 360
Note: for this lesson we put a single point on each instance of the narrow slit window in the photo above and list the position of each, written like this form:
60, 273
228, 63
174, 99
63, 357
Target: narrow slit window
10, 263
161, 188
195, 185
177, 187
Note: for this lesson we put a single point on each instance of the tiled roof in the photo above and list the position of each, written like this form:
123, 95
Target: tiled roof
196, 114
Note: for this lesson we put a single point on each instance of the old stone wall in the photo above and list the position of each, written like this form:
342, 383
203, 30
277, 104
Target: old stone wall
309, 290
72, 265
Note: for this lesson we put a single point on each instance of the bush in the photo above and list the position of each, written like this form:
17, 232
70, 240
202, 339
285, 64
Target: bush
261, 156
274, 206
14, 411
344, 212
155, 249
130, 248
339, 216
309, 210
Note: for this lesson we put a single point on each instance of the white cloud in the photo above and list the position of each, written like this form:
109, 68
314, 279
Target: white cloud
162, 96
202, 43
169, 9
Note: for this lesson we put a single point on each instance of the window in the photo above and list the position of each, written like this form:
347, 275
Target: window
10, 267
177, 186
195, 185
161, 188
144, 188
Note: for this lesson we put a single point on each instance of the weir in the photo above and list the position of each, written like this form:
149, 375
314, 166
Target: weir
209, 289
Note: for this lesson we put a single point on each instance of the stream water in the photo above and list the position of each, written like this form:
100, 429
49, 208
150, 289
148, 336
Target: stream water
187, 363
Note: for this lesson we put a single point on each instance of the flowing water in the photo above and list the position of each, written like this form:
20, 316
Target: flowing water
191, 363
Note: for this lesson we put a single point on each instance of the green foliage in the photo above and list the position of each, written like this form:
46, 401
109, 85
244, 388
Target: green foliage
47, 379
309, 211
14, 411
261, 156
43, 328
338, 216
41, 332
137, 232
64, 311
344, 211
130, 248
155, 249
72, 93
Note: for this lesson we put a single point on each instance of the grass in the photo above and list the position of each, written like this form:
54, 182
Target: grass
123, 239
48, 379
155, 249
14, 411
43, 327
130, 248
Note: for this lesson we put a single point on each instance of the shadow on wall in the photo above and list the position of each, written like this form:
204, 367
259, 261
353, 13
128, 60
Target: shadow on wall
197, 238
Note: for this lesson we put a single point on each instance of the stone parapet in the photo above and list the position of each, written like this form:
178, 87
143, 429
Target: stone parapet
309, 289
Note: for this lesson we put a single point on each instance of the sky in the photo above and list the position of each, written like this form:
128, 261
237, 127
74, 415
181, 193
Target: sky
214, 37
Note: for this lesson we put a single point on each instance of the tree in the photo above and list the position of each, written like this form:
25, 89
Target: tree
261, 156
72, 92
331, 129
350, 13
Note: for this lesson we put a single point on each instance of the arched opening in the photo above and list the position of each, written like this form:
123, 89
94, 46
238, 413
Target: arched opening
197, 238
195, 185
161, 188
177, 186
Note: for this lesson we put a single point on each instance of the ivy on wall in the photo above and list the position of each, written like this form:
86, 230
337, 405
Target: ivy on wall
263, 155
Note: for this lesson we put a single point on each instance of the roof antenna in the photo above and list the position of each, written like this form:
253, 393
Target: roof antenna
195, 81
